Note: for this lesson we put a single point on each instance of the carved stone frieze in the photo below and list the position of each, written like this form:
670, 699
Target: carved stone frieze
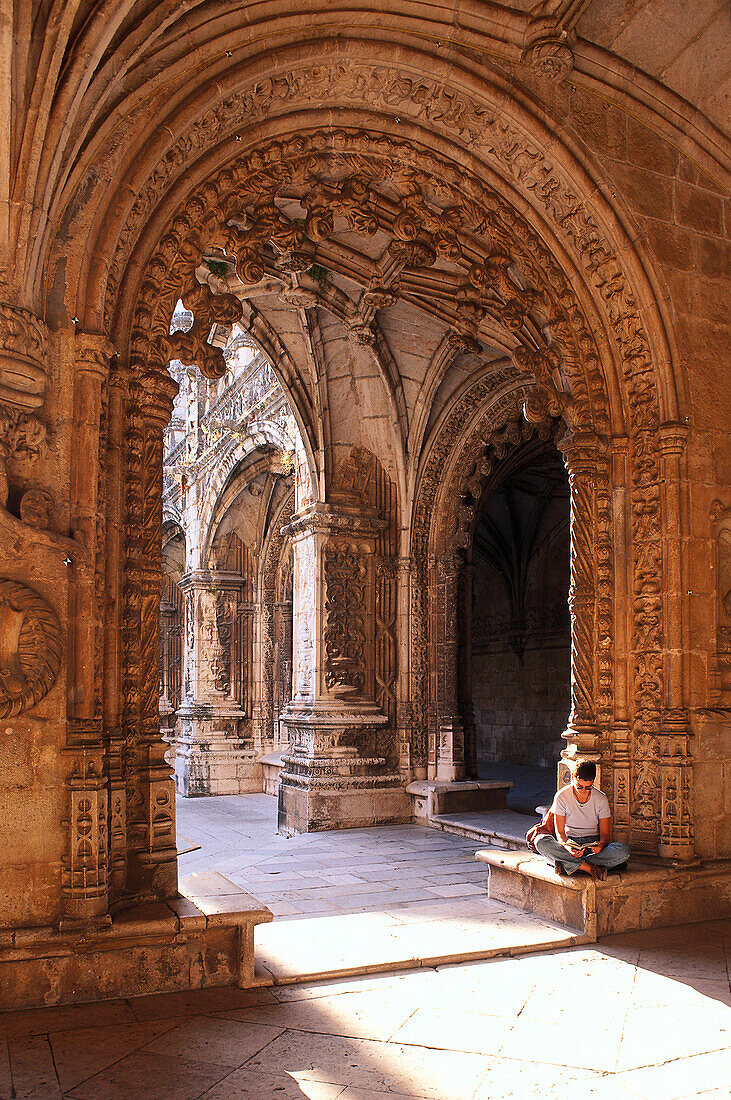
31, 644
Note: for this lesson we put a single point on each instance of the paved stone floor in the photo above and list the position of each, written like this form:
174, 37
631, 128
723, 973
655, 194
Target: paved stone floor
352, 900
643, 1015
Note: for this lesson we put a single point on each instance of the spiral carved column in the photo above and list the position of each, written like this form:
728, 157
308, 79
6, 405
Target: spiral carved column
582, 733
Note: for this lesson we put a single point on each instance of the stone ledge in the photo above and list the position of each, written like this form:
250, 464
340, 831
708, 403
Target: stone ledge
622, 903
185, 943
433, 798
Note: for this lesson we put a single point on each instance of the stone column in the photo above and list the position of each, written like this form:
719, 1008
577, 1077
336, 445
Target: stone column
450, 734
85, 868
676, 762
118, 392
157, 857
334, 775
582, 734
621, 746
212, 756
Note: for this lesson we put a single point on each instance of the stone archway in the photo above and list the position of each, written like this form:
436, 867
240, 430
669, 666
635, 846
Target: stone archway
450, 251
505, 292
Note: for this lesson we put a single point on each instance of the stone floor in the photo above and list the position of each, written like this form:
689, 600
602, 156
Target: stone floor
347, 871
354, 900
643, 1015
640, 1015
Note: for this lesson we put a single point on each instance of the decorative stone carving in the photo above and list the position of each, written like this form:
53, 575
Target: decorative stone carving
31, 644
35, 508
551, 57
22, 439
23, 339
345, 577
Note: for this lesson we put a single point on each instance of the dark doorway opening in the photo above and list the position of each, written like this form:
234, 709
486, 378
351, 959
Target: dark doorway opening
521, 639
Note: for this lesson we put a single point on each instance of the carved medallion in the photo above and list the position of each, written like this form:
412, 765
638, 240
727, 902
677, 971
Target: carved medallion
30, 648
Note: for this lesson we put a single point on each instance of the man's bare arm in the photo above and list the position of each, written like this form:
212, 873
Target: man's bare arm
561, 833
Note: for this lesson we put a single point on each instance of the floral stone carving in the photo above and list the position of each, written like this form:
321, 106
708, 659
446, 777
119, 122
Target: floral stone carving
30, 648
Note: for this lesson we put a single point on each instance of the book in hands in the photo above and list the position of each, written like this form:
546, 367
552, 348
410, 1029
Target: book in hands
580, 848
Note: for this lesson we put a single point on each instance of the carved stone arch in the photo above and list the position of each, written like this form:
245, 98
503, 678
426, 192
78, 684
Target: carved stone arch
567, 369
473, 109
259, 450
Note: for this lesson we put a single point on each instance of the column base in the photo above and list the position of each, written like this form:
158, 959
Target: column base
210, 758
333, 776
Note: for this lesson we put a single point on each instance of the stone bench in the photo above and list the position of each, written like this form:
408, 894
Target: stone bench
271, 769
646, 895
433, 798
202, 939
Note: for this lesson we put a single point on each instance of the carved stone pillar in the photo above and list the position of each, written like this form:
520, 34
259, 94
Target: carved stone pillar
85, 866
582, 734
118, 390
155, 840
404, 710
335, 774
676, 762
450, 734
465, 669
212, 754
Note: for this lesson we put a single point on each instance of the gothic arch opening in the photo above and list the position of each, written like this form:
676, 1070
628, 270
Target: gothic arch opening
520, 636
229, 462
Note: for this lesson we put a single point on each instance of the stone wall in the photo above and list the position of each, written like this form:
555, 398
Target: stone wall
521, 707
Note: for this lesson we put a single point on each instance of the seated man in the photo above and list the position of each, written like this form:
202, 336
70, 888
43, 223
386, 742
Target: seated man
583, 831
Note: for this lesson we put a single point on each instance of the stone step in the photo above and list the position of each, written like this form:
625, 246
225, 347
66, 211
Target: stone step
499, 828
309, 949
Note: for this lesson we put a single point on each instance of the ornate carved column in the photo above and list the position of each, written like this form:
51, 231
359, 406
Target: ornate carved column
450, 734
676, 762
404, 710
212, 755
464, 686
85, 866
154, 814
582, 734
118, 390
620, 759
335, 774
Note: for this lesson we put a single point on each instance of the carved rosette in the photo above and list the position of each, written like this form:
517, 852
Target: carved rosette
30, 648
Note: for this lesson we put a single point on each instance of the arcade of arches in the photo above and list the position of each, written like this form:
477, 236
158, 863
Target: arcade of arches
476, 511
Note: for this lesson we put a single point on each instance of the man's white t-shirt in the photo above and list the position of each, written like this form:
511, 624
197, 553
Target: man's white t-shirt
581, 820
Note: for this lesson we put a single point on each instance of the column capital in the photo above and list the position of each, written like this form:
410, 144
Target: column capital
673, 438
218, 580
330, 519
158, 392
579, 450
93, 353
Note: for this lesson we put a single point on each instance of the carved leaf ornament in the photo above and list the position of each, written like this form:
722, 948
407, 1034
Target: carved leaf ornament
30, 648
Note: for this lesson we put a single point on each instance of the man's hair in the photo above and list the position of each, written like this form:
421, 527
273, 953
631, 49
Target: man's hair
586, 770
